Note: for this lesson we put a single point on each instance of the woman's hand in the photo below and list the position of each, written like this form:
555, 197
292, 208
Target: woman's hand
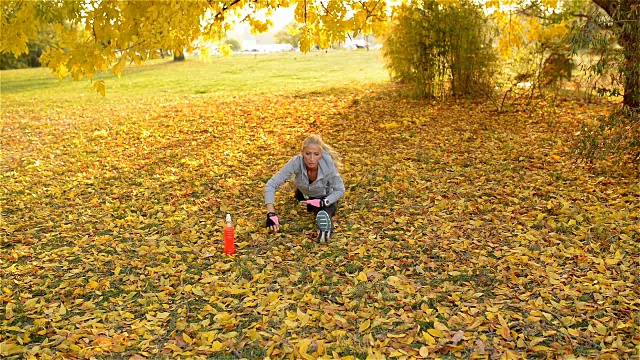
314, 205
272, 221
303, 205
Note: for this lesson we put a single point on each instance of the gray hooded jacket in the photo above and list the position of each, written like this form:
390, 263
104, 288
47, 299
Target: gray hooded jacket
328, 183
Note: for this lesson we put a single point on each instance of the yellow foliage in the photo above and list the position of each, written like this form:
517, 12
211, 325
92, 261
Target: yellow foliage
107, 35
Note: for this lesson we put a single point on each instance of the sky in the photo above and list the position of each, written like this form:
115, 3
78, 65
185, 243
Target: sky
281, 18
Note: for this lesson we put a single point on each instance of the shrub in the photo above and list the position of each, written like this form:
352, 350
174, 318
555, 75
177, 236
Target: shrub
614, 138
441, 49
235, 44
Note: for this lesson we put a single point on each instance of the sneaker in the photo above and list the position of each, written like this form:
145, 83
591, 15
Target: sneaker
324, 225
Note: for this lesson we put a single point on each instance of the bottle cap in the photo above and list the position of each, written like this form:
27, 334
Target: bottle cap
228, 218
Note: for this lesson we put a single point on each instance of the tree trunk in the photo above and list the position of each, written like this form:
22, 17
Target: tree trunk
626, 18
178, 57
631, 68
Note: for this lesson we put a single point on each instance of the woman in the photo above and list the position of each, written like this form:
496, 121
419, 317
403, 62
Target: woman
318, 182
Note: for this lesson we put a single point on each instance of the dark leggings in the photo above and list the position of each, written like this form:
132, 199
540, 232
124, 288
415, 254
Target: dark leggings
331, 209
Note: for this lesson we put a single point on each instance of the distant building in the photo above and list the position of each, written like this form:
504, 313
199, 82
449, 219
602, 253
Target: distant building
355, 44
254, 47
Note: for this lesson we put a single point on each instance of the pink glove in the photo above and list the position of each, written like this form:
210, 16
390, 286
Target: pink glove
272, 219
316, 204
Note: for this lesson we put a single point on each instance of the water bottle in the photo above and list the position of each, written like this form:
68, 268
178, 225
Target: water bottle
229, 235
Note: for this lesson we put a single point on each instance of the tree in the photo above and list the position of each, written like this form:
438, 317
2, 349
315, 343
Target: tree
178, 56
622, 19
96, 35
290, 35
36, 46
625, 22
440, 49
234, 44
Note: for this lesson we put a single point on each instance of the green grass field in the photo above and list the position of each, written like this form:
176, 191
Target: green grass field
237, 74
463, 232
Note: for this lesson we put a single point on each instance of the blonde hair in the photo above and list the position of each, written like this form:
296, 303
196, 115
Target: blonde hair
317, 140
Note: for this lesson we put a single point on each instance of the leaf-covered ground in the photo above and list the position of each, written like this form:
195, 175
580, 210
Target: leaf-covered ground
462, 233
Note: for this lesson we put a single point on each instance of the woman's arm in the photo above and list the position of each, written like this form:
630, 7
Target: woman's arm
337, 186
270, 192
278, 179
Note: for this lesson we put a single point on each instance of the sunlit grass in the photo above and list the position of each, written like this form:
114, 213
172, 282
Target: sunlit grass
237, 74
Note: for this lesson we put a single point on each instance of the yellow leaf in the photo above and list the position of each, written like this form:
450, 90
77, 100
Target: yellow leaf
62, 310
396, 335
198, 291
290, 324
536, 340
303, 317
187, 338
435, 332
573, 332
7, 291
553, 281
393, 281
188, 288
611, 261
100, 133
92, 285
217, 346
540, 348
504, 331
502, 321
7, 348
117, 270
100, 87
9, 311
430, 340
162, 315
173, 347
533, 319
364, 325
253, 335
362, 276
424, 352
440, 326
304, 346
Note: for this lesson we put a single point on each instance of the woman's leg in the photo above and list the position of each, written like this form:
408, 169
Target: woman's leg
323, 220
331, 209
299, 196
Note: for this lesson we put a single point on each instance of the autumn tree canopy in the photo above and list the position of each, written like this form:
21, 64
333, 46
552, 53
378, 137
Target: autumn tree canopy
105, 35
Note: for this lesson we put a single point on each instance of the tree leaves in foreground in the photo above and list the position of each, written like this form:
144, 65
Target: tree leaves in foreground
462, 233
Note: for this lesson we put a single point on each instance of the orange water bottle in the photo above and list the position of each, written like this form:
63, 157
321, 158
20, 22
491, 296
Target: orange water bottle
229, 235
